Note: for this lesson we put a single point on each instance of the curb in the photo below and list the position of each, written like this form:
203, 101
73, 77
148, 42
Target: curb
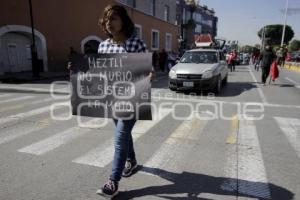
11, 79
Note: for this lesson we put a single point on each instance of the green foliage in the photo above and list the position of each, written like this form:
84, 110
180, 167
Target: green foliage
294, 45
247, 49
273, 34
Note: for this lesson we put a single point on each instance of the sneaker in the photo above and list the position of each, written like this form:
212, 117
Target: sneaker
130, 166
109, 189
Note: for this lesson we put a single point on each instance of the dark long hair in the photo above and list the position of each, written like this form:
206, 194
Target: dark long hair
128, 26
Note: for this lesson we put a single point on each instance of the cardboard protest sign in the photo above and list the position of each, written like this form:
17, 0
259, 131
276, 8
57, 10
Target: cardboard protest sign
112, 86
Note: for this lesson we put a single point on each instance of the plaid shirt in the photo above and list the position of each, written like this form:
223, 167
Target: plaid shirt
131, 45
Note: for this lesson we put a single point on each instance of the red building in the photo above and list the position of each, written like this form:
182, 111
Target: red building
65, 23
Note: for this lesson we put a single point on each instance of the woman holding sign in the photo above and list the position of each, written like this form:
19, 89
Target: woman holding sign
120, 31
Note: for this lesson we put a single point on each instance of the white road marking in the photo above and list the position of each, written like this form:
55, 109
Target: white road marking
5, 95
297, 85
19, 132
156, 91
16, 99
47, 90
261, 94
9, 134
55, 141
198, 100
23, 115
173, 148
291, 128
25, 103
245, 166
103, 154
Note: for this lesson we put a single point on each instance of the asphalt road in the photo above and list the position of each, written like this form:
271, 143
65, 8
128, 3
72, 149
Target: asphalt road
241, 144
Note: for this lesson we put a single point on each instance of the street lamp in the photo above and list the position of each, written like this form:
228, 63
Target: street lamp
285, 20
35, 70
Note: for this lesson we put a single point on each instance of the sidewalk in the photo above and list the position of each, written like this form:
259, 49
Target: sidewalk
27, 77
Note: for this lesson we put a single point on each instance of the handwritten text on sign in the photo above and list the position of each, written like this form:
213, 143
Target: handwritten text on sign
112, 86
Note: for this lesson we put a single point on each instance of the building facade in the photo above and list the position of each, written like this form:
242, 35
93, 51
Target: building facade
194, 19
161, 9
59, 25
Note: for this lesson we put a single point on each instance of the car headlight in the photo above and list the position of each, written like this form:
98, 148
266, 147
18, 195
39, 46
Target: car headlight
207, 74
172, 74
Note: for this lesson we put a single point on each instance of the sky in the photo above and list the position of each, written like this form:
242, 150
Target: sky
241, 19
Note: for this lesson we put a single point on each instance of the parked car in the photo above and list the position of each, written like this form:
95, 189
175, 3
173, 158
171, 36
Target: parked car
200, 69
245, 58
293, 57
296, 56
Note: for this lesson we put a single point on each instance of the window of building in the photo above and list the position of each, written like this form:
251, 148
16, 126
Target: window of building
154, 39
188, 16
131, 3
168, 42
152, 7
166, 13
138, 31
197, 17
198, 28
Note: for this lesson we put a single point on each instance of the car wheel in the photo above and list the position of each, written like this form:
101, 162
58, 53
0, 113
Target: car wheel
218, 86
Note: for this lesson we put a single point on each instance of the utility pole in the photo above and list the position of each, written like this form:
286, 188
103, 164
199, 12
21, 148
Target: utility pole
285, 21
263, 38
35, 70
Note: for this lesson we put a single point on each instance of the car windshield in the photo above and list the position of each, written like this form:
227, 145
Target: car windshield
199, 57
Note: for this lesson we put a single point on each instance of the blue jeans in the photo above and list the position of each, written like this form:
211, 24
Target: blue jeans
123, 147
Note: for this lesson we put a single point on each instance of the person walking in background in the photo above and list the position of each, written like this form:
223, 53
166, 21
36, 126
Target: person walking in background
155, 60
274, 72
266, 58
163, 56
281, 54
120, 29
234, 58
257, 63
230, 61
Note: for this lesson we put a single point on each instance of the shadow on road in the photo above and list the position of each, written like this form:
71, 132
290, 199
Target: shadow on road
192, 185
236, 88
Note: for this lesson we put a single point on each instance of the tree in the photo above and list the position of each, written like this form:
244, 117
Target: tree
294, 45
273, 34
247, 49
257, 46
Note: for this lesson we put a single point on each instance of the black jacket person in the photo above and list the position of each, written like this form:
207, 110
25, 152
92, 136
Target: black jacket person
267, 57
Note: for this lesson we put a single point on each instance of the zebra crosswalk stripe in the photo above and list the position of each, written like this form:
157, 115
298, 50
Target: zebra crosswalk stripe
5, 95
291, 128
8, 135
169, 153
55, 141
16, 99
7, 108
245, 166
103, 154
23, 115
